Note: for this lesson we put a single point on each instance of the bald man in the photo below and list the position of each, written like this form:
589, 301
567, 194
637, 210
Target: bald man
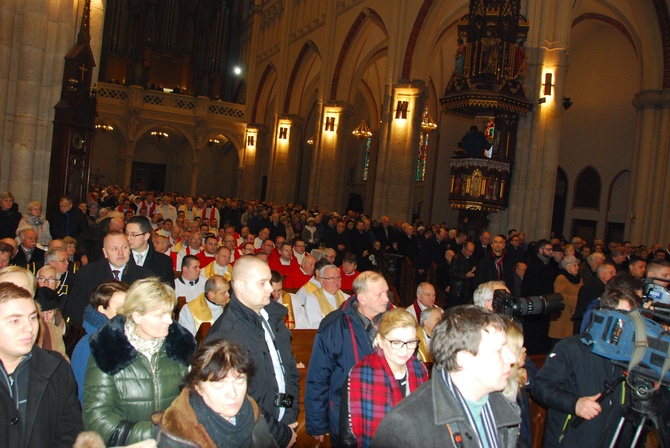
256, 322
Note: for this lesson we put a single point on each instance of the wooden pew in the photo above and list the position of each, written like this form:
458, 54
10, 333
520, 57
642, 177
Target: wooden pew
302, 343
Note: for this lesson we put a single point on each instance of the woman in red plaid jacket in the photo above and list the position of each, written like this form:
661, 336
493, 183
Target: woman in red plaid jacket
381, 379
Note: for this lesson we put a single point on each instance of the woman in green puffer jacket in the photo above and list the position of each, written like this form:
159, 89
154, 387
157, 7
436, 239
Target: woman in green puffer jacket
137, 362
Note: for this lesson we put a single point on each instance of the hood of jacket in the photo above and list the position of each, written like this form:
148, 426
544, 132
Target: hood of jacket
113, 352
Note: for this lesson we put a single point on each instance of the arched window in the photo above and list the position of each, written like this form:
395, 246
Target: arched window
587, 189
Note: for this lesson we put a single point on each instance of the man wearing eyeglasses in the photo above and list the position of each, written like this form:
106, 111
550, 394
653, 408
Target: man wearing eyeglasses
327, 298
138, 232
345, 336
57, 258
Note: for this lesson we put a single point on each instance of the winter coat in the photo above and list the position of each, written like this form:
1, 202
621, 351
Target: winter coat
428, 416
570, 372
370, 392
178, 426
340, 344
241, 324
53, 413
122, 388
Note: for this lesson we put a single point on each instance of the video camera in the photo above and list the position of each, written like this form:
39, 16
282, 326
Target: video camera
506, 304
632, 340
655, 293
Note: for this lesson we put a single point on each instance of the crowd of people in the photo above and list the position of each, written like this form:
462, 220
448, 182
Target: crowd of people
86, 313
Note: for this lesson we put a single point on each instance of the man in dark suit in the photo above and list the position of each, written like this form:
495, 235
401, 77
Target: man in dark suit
115, 266
386, 235
482, 247
29, 256
138, 232
68, 221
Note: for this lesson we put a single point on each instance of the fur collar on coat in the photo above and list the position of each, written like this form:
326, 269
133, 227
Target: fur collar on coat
113, 353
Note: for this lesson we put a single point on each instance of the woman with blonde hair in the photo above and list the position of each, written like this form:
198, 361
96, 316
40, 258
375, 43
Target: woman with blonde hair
381, 379
35, 220
518, 382
138, 360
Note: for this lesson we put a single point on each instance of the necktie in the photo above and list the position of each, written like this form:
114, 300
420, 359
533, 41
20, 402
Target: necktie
140, 257
116, 274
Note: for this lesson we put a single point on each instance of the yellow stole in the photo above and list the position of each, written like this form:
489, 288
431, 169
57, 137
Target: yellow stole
324, 304
289, 319
200, 311
177, 247
424, 352
310, 287
209, 271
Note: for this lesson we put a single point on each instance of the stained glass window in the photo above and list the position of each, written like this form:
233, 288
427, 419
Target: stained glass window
366, 163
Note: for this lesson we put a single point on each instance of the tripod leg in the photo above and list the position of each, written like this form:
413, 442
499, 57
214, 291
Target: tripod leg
660, 431
615, 437
638, 431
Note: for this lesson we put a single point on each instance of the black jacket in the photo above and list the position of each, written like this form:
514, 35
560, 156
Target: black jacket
241, 324
590, 291
461, 286
570, 372
78, 223
9, 221
53, 414
36, 260
88, 278
159, 264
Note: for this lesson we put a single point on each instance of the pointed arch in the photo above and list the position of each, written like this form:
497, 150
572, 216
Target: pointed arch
263, 91
306, 69
357, 38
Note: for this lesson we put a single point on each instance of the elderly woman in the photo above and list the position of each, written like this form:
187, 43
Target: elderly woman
36, 221
381, 379
9, 215
214, 409
138, 359
567, 283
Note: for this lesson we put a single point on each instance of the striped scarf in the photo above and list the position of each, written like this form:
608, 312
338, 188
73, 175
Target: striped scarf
487, 419
373, 391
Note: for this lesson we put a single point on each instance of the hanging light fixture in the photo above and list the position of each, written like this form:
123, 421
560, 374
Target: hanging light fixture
159, 134
104, 127
427, 124
362, 131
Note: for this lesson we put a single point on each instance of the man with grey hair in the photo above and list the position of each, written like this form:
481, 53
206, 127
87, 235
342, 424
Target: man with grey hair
483, 295
429, 318
57, 258
587, 269
590, 291
28, 256
425, 298
327, 298
344, 337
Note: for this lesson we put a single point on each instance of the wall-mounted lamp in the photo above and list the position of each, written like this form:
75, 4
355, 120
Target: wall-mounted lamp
547, 84
283, 133
329, 125
401, 110
251, 141
212, 142
310, 141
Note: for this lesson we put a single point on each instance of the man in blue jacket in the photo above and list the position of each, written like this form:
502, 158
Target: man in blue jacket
345, 336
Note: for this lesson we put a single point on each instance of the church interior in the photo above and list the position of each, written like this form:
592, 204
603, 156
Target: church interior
352, 103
